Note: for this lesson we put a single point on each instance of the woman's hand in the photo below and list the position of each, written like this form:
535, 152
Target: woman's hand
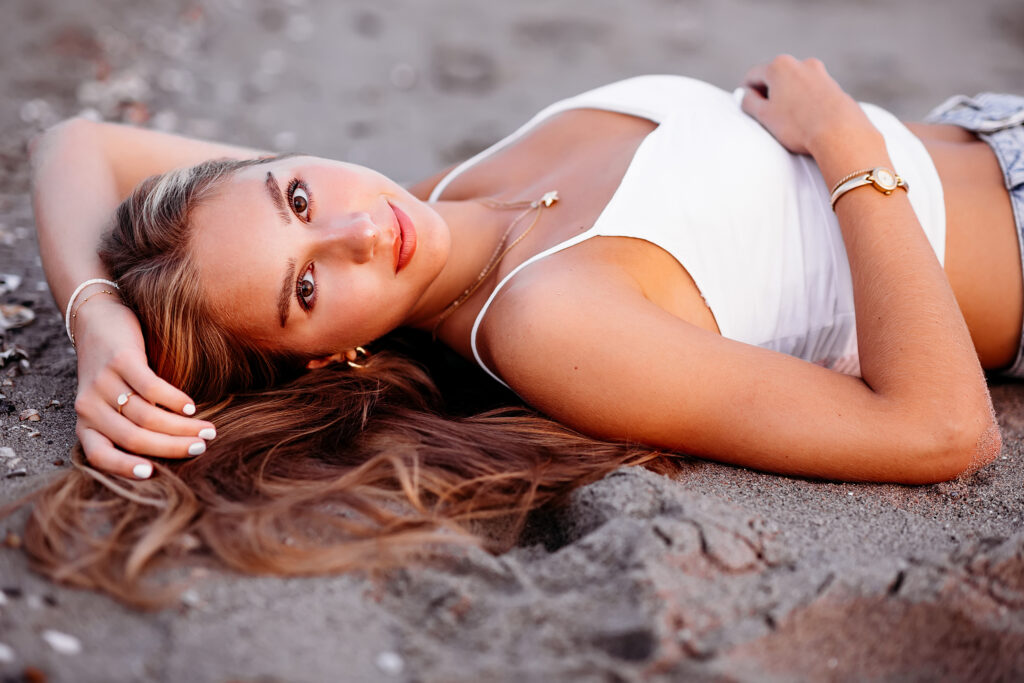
153, 421
799, 103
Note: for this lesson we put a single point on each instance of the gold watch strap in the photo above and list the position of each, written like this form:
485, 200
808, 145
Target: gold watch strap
881, 178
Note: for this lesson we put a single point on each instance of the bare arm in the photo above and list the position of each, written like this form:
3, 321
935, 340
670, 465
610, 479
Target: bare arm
920, 414
81, 172
913, 340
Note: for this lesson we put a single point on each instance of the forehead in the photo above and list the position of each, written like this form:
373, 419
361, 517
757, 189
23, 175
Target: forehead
239, 248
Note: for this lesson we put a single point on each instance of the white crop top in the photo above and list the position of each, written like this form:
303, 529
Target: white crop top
748, 220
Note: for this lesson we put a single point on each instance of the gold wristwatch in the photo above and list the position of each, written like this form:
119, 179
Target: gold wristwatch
883, 179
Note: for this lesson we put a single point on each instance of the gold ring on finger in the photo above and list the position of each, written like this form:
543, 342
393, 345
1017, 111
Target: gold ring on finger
122, 399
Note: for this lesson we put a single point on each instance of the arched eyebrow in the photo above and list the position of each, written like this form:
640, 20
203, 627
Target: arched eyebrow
284, 299
277, 197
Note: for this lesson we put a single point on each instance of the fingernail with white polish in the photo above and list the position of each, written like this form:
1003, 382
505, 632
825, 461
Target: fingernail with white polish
189, 409
197, 448
144, 470
207, 433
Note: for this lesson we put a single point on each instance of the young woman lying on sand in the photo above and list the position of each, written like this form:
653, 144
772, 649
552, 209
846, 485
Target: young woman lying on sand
723, 329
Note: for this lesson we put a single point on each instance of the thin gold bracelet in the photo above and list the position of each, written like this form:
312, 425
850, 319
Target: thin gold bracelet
74, 315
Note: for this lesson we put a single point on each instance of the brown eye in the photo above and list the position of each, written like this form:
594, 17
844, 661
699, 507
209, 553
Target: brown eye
305, 289
298, 198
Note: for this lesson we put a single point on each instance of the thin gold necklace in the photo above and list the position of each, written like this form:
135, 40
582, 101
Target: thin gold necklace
539, 205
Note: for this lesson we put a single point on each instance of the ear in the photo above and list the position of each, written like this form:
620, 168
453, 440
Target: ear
318, 363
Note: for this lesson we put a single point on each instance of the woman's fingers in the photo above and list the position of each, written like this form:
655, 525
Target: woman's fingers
753, 102
156, 419
798, 102
757, 79
102, 455
148, 393
158, 432
130, 436
140, 378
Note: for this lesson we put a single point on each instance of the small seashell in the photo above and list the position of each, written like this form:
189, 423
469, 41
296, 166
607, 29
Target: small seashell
62, 642
6, 452
15, 315
33, 434
190, 597
12, 540
20, 472
390, 662
9, 282
55, 403
10, 354
30, 414
37, 111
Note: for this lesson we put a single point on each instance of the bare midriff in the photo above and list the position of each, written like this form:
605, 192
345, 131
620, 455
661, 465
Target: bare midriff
982, 258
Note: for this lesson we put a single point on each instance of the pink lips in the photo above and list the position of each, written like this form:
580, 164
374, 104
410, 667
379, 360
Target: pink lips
405, 244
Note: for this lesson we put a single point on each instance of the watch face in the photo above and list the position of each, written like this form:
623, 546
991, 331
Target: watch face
884, 178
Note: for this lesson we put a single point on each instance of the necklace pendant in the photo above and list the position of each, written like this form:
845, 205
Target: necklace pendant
549, 198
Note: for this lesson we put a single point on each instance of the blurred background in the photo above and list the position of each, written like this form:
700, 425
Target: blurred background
408, 86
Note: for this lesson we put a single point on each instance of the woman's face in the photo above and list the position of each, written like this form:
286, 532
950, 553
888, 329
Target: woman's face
315, 256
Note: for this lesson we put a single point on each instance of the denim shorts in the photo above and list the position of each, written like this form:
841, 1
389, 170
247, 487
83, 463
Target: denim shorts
997, 119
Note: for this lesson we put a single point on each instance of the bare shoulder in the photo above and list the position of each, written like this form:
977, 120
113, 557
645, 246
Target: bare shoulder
569, 335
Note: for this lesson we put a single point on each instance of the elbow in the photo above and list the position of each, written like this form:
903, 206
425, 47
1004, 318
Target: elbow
75, 127
958, 448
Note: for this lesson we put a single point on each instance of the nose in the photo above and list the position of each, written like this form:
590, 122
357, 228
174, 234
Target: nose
354, 235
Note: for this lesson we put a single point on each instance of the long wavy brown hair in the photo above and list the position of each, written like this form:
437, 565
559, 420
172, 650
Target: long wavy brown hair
326, 470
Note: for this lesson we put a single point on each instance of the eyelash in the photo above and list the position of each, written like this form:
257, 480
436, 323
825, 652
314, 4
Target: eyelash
303, 304
292, 186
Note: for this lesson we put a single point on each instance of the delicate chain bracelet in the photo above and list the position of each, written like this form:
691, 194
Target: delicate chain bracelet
75, 314
74, 295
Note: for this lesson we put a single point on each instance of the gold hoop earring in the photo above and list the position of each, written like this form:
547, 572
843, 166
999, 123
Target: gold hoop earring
360, 353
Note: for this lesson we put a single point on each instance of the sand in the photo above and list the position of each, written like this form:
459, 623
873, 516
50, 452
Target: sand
722, 574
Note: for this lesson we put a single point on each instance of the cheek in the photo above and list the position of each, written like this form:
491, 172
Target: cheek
434, 243
371, 315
